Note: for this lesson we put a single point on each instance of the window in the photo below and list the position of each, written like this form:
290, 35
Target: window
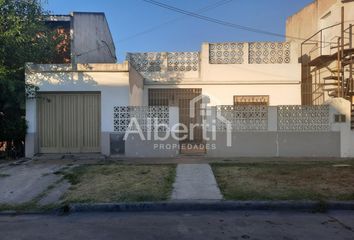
339, 118
251, 100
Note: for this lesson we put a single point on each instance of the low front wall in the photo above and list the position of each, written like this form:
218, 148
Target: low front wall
134, 146
244, 144
276, 144
309, 144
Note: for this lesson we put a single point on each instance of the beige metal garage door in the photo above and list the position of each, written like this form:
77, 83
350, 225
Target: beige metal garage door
69, 122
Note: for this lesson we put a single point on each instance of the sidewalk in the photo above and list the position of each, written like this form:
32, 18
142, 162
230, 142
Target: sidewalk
195, 182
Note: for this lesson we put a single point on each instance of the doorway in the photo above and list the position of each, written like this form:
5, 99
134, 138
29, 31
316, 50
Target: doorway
182, 97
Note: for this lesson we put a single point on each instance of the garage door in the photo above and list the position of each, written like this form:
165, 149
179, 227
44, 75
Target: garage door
69, 122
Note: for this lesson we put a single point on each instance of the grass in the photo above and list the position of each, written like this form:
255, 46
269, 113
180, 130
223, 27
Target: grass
319, 181
119, 183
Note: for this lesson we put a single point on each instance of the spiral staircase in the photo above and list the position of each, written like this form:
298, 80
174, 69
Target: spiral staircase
335, 70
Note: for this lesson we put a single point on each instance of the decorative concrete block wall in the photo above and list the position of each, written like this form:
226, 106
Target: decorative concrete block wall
283, 131
146, 117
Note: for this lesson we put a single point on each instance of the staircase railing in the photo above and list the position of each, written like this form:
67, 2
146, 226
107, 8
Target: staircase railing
319, 43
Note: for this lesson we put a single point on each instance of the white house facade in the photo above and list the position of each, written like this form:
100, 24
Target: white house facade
236, 99
224, 71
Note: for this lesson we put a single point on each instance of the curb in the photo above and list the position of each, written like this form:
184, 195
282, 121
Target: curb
175, 206
211, 206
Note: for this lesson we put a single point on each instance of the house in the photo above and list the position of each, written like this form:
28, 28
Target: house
247, 93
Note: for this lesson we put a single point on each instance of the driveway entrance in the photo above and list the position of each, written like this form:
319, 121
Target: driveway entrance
69, 122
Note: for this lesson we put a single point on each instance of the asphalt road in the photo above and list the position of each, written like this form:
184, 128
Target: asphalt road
181, 225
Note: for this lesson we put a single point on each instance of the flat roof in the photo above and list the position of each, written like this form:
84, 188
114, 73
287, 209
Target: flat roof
58, 18
90, 67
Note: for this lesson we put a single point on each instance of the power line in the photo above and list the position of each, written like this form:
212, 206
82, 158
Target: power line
91, 50
207, 8
209, 19
221, 22
104, 45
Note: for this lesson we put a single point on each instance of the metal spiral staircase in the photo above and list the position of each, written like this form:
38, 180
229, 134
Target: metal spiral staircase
335, 70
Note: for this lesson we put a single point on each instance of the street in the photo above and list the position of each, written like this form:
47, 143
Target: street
181, 225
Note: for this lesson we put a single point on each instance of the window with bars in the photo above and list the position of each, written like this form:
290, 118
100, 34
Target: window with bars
251, 100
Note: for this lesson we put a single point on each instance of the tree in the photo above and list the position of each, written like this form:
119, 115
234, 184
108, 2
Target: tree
24, 37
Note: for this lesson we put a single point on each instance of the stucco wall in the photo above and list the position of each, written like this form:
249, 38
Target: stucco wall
222, 94
342, 106
135, 147
222, 81
305, 23
316, 16
112, 82
277, 144
136, 82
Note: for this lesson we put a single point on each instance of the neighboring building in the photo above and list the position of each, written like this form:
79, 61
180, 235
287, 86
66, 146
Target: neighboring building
321, 37
86, 106
86, 38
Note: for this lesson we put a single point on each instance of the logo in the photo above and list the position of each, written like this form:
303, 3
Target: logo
203, 119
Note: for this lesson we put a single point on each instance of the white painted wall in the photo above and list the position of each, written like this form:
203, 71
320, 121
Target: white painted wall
281, 82
136, 82
31, 118
279, 94
251, 73
342, 106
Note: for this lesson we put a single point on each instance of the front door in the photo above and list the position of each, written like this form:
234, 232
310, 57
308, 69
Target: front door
184, 99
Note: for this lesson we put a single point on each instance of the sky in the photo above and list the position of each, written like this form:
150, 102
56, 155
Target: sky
138, 26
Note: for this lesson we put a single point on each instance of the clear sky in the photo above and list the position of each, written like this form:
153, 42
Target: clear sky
138, 26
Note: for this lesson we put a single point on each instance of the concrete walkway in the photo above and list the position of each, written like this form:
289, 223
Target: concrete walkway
22, 183
195, 182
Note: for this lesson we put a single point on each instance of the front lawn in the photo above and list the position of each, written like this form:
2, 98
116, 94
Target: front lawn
286, 180
120, 183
